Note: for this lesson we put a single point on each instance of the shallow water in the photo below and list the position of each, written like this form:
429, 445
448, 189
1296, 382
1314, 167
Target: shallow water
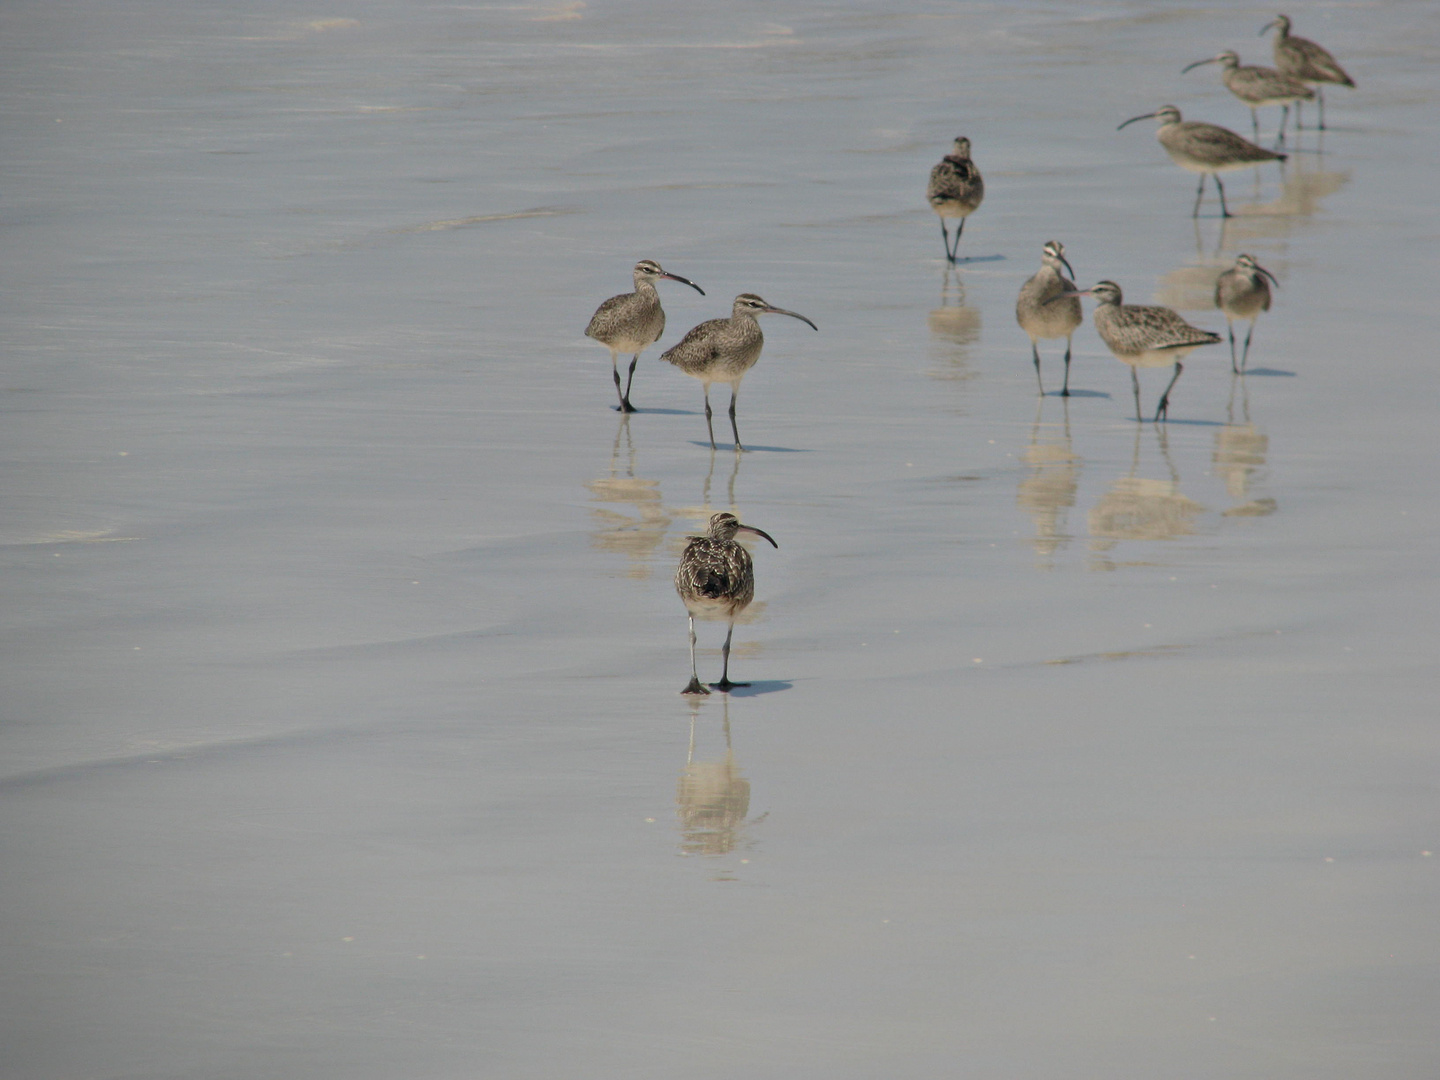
341, 724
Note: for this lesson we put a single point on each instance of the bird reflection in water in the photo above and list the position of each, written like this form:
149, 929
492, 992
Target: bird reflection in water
1048, 491
638, 538
954, 329
711, 797
1239, 457
1305, 183
1141, 508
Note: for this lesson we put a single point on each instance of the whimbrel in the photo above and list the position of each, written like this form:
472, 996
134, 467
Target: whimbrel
723, 350
1257, 86
1047, 307
1243, 292
1145, 336
1304, 60
716, 579
955, 191
1207, 149
633, 321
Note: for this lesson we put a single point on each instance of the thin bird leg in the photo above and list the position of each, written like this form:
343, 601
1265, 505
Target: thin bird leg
1245, 358
1299, 119
945, 237
627, 406
1035, 351
1135, 386
1224, 210
734, 429
1199, 194
1284, 116
615, 370
1231, 327
725, 684
708, 424
1320, 94
1255, 122
1065, 390
959, 229
695, 687
1163, 409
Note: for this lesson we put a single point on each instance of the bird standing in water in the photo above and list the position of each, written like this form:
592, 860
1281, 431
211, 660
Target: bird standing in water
1207, 149
1048, 308
1143, 335
633, 321
723, 350
956, 190
1304, 60
1243, 292
716, 579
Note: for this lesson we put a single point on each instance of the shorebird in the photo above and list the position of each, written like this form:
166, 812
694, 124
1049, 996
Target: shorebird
1048, 308
633, 321
1145, 336
1257, 87
955, 191
723, 350
1304, 60
1207, 149
716, 579
1243, 292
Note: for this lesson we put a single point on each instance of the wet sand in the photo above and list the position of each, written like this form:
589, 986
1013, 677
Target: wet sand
342, 734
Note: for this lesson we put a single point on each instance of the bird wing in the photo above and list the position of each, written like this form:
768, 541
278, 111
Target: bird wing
1215, 145
605, 314
698, 347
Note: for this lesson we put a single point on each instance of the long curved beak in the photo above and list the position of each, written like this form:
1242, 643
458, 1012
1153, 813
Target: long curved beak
1196, 64
684, 281
1268, 275
1267, 27
807, 322
1146, 116
1066, 263
760, 532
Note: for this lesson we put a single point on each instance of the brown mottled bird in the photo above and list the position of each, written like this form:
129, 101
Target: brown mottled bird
1243, 292
1048, 307
1258, 86
955, 191
1145, 336
716, 579
1304, 60
723, 350
633, 321
1207, 149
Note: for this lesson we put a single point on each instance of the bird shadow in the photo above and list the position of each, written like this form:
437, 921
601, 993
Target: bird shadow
659, 412
1078, 393
1268, 372
756, 449
1191, 423
761, 686
979, 259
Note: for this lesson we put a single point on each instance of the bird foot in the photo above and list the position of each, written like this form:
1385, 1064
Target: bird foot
1064, 393
695, 687
625, 407
725, 684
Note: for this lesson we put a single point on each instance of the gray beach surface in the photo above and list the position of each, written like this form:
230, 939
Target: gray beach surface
340, 725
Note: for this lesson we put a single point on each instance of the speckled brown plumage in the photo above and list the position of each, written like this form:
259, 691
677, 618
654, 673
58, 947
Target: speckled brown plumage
633, 321
1207, 149
723, 350
1144, 335
956, 190
1243, 292
1044, 310
716, 580
1302, 59
1258, 86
